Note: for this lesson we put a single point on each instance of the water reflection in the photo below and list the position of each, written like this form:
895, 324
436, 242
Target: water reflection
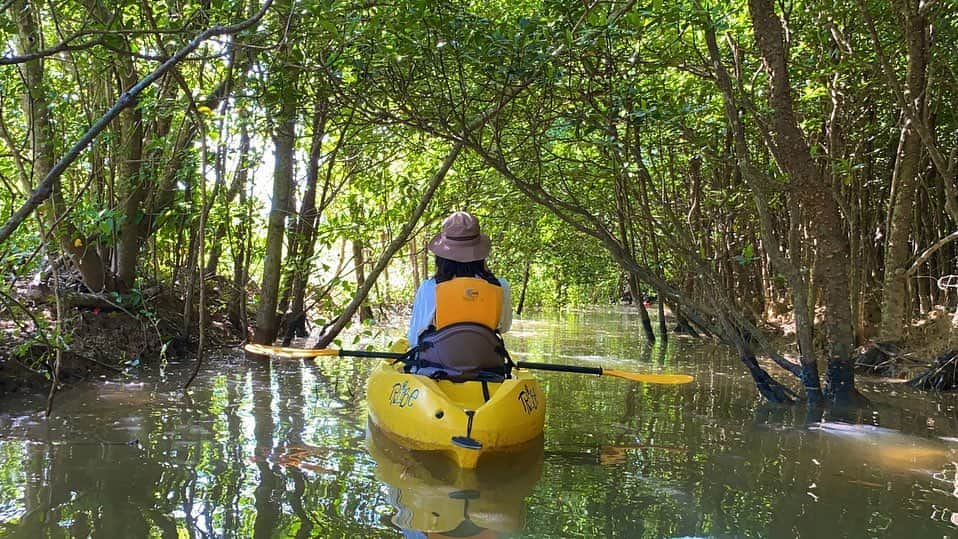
432, 496
279, 449
265, 496
243, 455
888, 449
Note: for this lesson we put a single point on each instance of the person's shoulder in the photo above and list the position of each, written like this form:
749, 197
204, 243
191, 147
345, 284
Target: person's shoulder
503, 281
426, 290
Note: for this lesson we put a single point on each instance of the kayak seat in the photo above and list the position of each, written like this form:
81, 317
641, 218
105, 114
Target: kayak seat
491, 376
439, 373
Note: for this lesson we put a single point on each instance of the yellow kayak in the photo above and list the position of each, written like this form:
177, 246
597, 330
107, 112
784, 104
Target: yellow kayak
434, 496
463, 420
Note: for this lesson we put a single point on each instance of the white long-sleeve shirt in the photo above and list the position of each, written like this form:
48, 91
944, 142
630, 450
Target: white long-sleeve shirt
424, 310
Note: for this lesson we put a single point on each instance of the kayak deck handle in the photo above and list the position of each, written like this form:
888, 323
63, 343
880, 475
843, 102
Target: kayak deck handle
467, 441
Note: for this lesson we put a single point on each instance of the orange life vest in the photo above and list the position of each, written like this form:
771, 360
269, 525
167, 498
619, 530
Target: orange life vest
468, 299
463, 340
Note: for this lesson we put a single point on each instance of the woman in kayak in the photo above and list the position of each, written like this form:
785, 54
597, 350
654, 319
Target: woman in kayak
457, 315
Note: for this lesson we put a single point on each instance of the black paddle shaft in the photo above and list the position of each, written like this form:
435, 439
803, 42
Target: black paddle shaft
558, 368
364, 353
521, 364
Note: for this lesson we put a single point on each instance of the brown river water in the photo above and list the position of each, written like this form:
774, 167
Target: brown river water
282, 449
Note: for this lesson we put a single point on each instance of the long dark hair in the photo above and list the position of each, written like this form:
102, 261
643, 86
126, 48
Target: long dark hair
448, 269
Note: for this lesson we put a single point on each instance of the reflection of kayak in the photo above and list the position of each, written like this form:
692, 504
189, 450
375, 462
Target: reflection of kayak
434, 496
464, 420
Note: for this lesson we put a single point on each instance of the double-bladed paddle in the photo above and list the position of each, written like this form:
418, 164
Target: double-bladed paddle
280, 351
634, 376
284, 351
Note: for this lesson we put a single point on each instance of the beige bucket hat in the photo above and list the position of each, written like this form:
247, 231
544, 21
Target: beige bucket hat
461, 239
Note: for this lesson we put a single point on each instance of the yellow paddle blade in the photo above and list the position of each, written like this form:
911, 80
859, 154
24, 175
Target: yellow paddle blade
282, 351
650, 378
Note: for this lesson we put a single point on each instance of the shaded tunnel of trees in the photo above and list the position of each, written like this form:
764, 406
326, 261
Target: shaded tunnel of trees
750, 165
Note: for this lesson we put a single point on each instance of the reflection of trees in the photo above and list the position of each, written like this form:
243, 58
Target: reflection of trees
292, 426
277, 450
227, 489
266, 496
647, 461
211, 466
80, 489
339, 493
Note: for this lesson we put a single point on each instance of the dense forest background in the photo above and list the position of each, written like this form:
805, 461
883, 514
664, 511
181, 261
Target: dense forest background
780, 176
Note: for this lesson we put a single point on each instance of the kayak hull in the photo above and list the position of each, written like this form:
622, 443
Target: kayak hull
423, 414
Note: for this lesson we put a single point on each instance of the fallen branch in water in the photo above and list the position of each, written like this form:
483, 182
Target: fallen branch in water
942, 375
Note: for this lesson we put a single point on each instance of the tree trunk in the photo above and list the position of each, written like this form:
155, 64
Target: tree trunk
663, 327
237, 298
284, 141
129, 157
522, 291
384, 295
359, 262
414, 262
855, 258
36, 108
896, 300
425, 259
791, 151
787, 265
237, 187
191, 275
292, 258
638, 299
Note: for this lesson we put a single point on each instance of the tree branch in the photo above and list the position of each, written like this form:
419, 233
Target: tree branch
58, 48
127, 99
930, 251
391, 249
